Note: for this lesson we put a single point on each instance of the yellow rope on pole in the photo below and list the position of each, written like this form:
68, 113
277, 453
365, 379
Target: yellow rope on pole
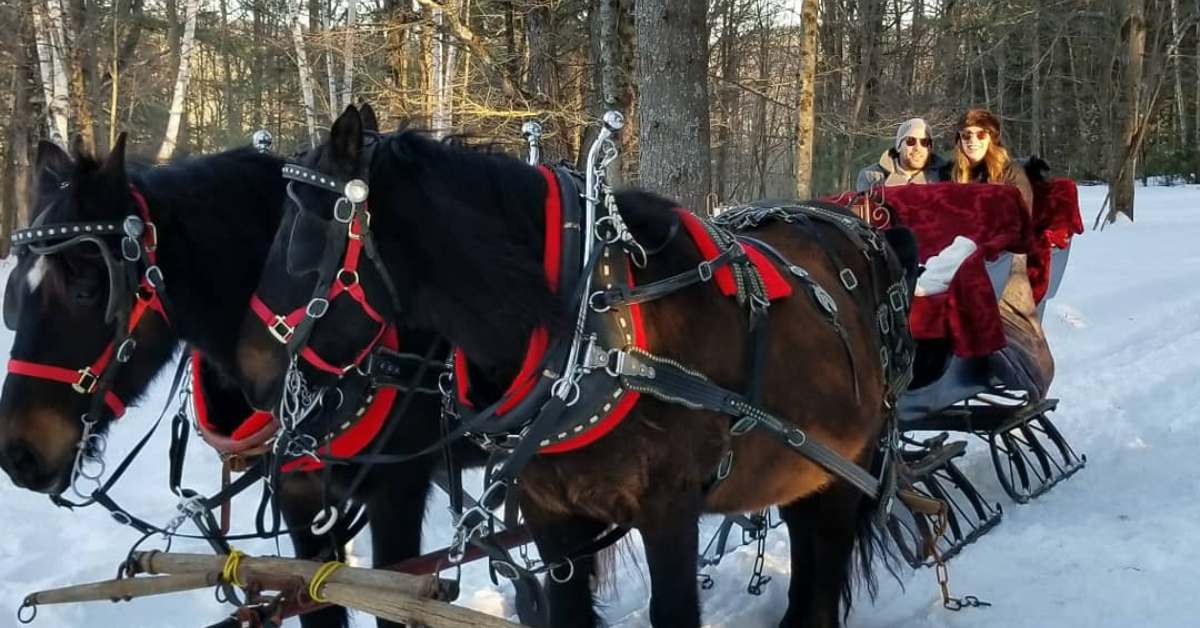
229, 573
319, 578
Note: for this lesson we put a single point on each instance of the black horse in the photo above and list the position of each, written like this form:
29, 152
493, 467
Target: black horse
214, 218
464, 246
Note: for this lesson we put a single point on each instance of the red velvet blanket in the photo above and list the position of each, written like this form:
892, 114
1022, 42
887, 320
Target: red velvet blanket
995, 218
1055, 220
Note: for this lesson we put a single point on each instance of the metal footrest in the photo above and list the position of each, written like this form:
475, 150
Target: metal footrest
1031, 456
928, 468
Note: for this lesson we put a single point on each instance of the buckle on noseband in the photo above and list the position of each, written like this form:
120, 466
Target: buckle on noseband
86, 384
280, 329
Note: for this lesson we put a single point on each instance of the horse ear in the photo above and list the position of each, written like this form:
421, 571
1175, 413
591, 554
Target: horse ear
114, 164
52, 159
369, 121
345, 137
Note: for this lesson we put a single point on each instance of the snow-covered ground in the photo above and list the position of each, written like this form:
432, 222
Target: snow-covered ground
1114, 546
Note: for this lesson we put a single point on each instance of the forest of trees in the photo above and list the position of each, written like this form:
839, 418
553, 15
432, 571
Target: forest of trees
727, 99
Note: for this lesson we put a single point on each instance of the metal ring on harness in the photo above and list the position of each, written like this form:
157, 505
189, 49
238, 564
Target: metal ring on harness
347, 277
339, 206
29, 604
125, 351
505, 569
341, 397
570, 574
324, 520
596, 308
316, 308
154, 275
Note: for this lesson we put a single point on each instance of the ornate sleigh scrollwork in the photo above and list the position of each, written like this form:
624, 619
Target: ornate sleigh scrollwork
872, 208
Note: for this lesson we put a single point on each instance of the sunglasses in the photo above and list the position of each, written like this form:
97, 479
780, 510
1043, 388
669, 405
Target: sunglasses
979, 135
912, 141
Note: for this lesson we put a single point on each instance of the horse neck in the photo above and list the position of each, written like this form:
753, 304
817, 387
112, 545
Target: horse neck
216, 217
472, 262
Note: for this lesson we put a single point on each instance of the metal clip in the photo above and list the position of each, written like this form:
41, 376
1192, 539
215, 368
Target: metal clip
705, 270
743, 425
848, 278
726, 466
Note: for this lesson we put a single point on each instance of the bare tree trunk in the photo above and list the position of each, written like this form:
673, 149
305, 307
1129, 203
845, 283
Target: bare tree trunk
175, 121
348, 54
1196, 122
610, 82
306, 89
54, 79
1124, 158
1001, 56
233, 106
870, 17
728, 94
542, 78
14, 181
1035, 80
763, 55
81, 42
443, 71
331, 72
806, 104
1176, 62
672, 49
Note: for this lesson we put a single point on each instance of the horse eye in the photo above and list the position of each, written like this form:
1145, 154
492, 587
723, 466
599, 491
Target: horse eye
86, 294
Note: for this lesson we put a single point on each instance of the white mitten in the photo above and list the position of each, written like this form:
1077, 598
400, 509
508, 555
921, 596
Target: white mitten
941, 268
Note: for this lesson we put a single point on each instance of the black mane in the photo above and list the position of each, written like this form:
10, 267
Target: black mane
216, 216
465, 228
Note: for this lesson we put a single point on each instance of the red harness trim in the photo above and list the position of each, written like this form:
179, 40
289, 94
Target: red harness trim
346, 281
777, 286
539, 340
250, 431
83, 381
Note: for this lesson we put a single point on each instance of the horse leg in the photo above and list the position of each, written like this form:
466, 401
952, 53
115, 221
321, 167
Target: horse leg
396, 507
299, 501
822, 529
568, 586
671, 540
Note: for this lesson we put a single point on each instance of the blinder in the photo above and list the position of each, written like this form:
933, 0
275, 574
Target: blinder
44, 240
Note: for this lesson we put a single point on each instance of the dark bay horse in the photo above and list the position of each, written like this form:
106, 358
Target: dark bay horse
214, 218
463, 242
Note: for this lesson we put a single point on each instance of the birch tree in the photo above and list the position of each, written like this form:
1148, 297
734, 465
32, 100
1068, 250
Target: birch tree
174, 121
806, 103
306, 88
54, 76
348, 54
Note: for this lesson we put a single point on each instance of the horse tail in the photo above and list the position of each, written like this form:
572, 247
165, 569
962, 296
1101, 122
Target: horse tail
871, 540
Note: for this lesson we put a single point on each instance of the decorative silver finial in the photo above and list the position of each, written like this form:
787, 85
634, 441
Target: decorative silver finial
614, 120
532, 131
262, 140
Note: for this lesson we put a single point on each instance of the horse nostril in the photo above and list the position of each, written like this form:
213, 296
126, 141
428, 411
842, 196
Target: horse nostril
23, 462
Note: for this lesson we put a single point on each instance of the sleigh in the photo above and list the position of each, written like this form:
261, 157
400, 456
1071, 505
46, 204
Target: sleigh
976, 372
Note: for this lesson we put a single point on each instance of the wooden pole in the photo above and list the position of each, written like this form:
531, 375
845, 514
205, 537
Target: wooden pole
409, 610
392, 595
394, 582
125, 588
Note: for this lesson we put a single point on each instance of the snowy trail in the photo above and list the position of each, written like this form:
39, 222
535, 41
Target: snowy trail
1113, 546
